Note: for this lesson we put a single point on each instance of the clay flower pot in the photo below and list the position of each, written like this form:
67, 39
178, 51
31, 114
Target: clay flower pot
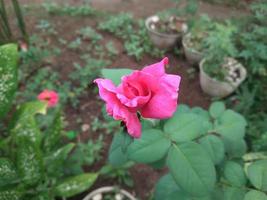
119, 194
237, 74
163, 40
192, 55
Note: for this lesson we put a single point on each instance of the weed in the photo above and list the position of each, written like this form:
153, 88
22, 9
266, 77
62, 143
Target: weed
88, 33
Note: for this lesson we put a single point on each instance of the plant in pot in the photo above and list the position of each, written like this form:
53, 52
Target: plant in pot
193, 42
167, 28
220, 73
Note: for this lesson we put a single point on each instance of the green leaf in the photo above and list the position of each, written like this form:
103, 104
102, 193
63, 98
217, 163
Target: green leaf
143, 150
233, 193
8, 172
191, 160
200, 111
235, 174
29, 163
231, 125
182, 108
214, 147
257, 174
10, 195
116, 156
159, 163
8, 76
55, 160
115, 74
184, 127
216, 109
53, 135
75, 185
235, 148
166, 189
255, 195
24, 126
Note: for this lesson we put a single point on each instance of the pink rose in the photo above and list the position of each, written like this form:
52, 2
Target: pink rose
151, 92
49, 96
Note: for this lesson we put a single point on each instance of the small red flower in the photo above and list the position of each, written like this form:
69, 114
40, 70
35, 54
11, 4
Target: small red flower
49, 96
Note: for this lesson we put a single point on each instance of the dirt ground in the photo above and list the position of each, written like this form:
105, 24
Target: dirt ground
190, 92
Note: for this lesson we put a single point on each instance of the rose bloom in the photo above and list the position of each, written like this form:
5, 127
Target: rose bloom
150, 92
49, 96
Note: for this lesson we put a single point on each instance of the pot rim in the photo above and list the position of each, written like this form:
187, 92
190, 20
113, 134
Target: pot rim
107, 189
187, 35
150, 19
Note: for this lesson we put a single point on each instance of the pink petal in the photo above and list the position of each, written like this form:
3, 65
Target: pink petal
108, 92
49, 96
164, 101
157, 69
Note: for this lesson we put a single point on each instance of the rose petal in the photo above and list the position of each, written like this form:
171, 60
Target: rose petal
116, 109
157, 69
164, 101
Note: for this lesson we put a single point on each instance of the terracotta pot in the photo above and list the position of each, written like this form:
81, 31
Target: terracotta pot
193, 56
98, 193
217, 88
163, 40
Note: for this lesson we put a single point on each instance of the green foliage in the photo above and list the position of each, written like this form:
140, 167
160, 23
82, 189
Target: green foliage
55, 9
32, 161
257, 174
189, 9
254, 194
152, 141
134, 34
75, 185
84, 154
207, 146
199, 30
191, 160
251, 98
219, 46
8, 76
88, 33
121, 173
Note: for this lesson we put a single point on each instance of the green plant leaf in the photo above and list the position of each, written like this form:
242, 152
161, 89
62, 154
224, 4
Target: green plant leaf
55, 160
159, 163
24, 126
214, 147
116, 156
231, 125
255, 195
10, 195
151, 141
235, 174
8, 76
257, 174
233, 193
191, 160
29, 163
184, 127
115, 74
166, 189
235, 148
216, 109
54, 133
8, 172
75, 185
